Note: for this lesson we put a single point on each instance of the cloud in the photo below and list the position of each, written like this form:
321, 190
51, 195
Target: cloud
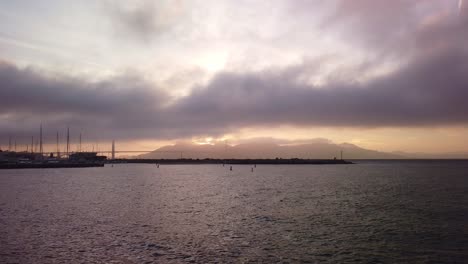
383, 27
121, 105
277, 141
428, 90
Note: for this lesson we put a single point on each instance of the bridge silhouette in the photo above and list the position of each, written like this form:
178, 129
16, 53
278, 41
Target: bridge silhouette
113, 152
38, 149
178, 152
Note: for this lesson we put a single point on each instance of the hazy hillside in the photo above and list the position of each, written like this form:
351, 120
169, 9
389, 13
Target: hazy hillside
314, 150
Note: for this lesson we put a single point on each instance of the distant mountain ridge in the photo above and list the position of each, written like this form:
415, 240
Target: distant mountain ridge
270, 150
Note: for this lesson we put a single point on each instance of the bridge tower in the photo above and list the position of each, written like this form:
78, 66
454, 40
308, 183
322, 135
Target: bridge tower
113, 149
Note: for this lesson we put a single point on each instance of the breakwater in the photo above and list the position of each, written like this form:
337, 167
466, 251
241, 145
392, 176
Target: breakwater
234, 161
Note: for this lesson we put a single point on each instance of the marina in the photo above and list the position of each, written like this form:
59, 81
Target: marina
37, 157
25, 160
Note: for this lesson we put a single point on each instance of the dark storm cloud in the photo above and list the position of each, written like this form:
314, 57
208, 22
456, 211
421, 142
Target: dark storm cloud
429, 89
23, 90
29, 97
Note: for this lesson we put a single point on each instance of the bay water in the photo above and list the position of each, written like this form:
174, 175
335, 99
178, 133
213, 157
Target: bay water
369, 212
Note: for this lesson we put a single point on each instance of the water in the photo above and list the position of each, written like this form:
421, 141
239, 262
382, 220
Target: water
372, 212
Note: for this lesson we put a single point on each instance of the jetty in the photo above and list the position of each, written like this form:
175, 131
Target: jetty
277, 161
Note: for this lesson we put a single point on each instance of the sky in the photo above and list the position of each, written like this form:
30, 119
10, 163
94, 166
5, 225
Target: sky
384, 75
